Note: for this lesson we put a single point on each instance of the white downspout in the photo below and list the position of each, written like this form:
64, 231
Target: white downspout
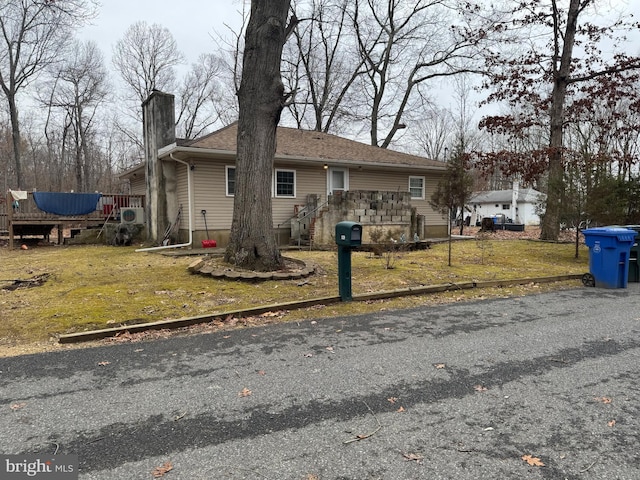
189, 181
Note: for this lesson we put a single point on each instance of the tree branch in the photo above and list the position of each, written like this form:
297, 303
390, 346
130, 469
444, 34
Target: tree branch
606, 71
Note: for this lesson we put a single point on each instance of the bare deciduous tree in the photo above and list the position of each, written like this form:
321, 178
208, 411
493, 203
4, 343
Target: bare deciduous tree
320, 65
431, 133
199, 97
146, 57
406, 44
33, 34
440, 129
81, 88
231, 59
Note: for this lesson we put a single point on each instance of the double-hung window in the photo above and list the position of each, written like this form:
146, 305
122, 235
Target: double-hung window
416, 188
285, 183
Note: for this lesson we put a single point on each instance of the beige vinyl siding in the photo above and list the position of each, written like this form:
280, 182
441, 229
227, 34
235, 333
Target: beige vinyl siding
210, 195
398, 182
182, 195
431, 216
210, 192
138, 185
309, 180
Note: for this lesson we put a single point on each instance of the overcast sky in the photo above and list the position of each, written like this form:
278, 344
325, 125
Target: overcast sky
191, 22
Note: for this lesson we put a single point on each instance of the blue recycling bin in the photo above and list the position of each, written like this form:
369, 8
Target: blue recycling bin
609, 249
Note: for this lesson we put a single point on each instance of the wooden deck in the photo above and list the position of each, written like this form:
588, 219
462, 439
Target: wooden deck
24, 218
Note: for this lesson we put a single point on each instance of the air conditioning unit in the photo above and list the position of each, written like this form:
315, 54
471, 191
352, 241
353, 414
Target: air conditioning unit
132, 215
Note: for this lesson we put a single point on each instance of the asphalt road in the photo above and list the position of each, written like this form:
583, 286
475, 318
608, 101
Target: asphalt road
460, 391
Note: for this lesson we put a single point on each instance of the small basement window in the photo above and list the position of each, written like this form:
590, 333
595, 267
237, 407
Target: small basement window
230, 174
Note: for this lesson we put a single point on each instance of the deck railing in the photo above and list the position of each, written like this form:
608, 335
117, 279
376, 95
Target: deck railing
108, 207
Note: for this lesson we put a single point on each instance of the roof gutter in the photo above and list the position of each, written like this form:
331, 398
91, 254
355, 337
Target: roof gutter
358, 163
189, 183
229, 154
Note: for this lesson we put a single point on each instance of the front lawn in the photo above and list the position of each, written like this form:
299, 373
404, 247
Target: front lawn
93, 287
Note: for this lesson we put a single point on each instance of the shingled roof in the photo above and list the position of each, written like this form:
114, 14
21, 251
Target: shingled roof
316, 146
528, 195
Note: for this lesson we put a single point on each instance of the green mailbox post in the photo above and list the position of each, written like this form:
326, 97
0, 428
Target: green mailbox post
348, 235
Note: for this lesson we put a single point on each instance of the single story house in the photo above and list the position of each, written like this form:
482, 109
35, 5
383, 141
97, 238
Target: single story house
318, 179
518, 205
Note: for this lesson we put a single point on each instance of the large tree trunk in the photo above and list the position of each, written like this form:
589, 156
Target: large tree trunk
261, 99
17, 143
550, 227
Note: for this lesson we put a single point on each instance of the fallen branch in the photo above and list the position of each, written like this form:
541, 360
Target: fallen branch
589, 467
366, 435
17, 281
29, 282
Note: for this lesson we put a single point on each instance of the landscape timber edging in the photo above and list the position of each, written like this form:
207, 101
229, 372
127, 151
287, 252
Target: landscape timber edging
189, 321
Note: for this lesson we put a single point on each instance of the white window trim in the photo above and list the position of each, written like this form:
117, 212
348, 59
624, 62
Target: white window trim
330, 170
275, 182
424, 187
226, 179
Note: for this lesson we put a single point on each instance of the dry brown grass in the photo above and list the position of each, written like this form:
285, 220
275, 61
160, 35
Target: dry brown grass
98, 286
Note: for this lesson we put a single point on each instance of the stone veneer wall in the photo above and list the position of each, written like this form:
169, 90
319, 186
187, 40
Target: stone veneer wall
372, 209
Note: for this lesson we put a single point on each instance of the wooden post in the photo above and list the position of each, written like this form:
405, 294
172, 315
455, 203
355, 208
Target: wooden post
10, 219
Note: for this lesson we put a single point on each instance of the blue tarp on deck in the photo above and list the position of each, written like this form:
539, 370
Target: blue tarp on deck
66, 203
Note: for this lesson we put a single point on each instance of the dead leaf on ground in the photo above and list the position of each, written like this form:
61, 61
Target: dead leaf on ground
311, 476
413, 457
104, 363
439, 365
480, 388
533, 461
245, 392
278, 313
162, 469
18, 406
392, 400
400, 410
604, 400
611, 423
261, 372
